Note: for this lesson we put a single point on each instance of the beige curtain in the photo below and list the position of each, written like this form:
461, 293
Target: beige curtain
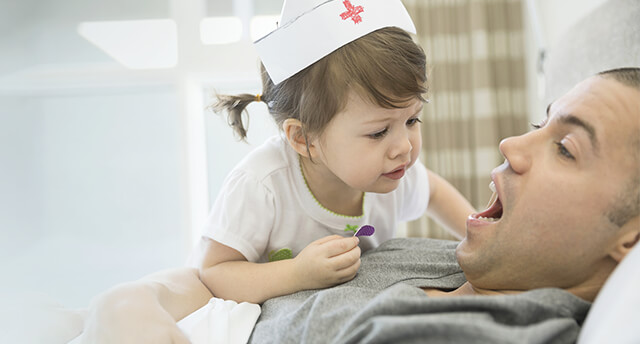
475, 52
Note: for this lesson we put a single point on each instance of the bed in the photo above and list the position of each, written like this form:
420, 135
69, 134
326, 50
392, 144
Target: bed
389, 308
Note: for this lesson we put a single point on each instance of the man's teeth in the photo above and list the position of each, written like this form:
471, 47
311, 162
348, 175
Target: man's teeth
489, 219
494, 196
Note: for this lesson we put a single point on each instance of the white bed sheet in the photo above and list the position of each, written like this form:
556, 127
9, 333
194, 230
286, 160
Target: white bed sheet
615, 313
221, 322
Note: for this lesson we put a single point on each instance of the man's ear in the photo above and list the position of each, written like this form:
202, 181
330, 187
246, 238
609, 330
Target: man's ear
295, 135
629, 238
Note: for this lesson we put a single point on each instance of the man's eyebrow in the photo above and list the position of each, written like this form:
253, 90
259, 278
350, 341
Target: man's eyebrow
590, 129
573, 120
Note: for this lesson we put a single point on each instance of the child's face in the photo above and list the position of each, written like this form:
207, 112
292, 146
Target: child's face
368, 147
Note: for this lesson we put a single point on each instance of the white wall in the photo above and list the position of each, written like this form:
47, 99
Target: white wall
21, 193
558, 16
97, 161
549, 20
91, 191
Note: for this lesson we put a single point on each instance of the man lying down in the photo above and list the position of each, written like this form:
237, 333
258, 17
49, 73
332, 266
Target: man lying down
567, 212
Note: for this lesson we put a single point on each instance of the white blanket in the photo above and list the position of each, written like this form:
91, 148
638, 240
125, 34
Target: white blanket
35, 319
221, 322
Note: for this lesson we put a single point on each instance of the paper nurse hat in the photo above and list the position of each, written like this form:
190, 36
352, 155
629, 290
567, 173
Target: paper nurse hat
312, 29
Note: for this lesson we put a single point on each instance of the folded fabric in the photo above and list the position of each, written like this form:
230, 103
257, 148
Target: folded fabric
221, 322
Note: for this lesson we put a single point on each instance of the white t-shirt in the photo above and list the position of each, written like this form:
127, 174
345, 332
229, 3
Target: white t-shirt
265, 206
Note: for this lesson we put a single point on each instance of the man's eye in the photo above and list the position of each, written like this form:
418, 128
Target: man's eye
562, 150
380, 134
538, 126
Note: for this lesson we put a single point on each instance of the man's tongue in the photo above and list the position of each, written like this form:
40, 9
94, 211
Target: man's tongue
494, 212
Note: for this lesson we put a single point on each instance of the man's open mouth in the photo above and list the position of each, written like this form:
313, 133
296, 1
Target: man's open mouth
494, 209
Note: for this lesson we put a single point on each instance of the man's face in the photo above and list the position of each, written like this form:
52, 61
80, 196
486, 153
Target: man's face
556, 187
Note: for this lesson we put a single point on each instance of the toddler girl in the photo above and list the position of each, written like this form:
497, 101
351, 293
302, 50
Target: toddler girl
347, 156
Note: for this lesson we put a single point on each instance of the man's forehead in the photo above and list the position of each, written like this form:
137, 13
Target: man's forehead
608, 111
588, 93
602, 102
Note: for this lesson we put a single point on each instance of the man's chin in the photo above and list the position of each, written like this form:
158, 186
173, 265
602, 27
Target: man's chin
472, 254
463, 251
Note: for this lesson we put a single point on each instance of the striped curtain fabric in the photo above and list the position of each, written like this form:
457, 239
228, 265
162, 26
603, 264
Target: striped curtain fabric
475, 52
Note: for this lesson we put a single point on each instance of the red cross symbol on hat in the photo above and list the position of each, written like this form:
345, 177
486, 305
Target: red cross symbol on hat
352, 12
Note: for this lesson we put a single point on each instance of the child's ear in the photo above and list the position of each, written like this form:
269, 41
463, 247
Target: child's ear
628, 239
295, 135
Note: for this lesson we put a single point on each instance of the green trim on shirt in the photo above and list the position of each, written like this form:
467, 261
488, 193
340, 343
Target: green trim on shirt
320, 204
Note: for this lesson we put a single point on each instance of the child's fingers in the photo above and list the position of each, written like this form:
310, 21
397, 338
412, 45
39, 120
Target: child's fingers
327, 239
349, 272
339, 246
346, 259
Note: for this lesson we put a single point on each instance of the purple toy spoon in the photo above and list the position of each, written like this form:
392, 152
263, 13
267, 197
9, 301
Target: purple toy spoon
365, 230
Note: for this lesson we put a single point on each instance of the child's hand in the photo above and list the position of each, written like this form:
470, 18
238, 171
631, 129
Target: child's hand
327, 261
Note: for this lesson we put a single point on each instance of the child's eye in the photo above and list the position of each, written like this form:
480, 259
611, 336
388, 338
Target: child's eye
413, 121
380, 134
562, 150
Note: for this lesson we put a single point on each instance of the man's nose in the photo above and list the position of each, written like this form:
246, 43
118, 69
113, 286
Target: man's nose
517, 151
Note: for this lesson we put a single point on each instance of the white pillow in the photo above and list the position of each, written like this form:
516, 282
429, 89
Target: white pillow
615, 314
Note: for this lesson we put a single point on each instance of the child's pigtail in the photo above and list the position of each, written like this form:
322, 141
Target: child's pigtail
235, 107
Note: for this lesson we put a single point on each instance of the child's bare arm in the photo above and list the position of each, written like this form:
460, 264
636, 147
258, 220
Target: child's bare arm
323, 263
447, 205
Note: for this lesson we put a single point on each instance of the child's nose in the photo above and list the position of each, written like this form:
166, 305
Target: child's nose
402, 146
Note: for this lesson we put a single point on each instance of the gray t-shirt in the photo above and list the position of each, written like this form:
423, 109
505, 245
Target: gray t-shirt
384, 304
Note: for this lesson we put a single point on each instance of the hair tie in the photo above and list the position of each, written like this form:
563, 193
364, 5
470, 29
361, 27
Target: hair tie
258, 97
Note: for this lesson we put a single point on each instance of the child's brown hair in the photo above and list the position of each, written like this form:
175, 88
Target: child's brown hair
386, 66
